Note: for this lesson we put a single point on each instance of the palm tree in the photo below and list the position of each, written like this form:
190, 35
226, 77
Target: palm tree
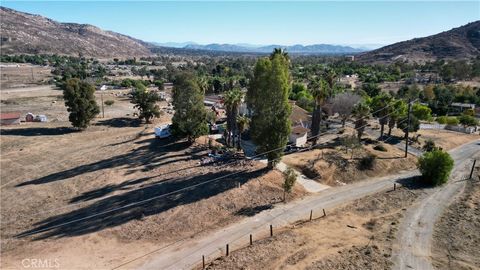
361, 112
232, 100
320, 92
203, 83
242, 123
280, 51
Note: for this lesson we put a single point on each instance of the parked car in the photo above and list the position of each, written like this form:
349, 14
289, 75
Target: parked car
163, 131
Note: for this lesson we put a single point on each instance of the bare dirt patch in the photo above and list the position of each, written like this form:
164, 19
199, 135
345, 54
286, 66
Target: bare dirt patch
334, 166
446, 139
356, 236
456, 242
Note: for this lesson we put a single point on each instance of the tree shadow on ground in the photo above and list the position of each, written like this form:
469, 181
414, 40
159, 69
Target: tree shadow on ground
39, 131
413, 182
120, 122
149, 200
252, 211
151, 154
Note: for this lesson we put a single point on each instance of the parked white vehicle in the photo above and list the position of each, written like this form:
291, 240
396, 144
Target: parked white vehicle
163, 131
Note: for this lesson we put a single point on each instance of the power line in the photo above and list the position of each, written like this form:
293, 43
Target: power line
185, 188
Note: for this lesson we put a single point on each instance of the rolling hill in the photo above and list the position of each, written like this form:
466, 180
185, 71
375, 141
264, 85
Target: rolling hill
459, 43
34, 34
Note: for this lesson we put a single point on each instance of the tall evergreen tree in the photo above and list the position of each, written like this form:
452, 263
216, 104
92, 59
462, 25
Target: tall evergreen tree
80, 101
267, 99
146, 102
190, 118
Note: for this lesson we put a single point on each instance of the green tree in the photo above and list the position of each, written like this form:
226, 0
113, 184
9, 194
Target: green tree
361, 112
145, 102
190, 118
371, 89
80, 101
267, 99
290, 177
422, 112
467, 120
232, 100
435, 167
320, 92
412, 127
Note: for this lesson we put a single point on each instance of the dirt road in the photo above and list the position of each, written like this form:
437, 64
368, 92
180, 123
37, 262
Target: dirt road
413, 249
186, 254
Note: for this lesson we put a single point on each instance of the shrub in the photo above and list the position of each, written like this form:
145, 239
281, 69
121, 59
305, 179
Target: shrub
442, 120
429, 146
467, 120
435, 167
109, 102
452, 121
367, 162
380, 147
290, 177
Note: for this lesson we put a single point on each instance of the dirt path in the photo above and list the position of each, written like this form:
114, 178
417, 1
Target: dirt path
456, 243
413, 250
186, 254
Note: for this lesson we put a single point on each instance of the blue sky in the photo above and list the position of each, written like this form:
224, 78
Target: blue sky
266, 22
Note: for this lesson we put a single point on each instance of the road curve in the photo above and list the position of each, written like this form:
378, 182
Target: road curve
188, 253
413, 244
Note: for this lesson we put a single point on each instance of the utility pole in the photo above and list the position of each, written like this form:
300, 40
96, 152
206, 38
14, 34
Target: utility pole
101, 97
408, 126
473, 168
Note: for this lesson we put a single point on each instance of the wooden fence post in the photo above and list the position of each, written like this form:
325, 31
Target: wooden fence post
227, 250
203, 261
324, 214
311, 214
251, 240
271, 230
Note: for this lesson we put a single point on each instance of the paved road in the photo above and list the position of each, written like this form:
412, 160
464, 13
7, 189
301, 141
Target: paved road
188, 253
416, 230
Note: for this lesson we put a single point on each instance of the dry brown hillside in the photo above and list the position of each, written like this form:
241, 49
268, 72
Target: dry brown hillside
458, 43
34, 34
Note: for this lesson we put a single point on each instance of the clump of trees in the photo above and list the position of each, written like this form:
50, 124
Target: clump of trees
146, 102
267, 99
435, 167
80, 101
190, 118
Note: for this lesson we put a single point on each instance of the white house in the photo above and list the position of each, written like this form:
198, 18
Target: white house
298, 136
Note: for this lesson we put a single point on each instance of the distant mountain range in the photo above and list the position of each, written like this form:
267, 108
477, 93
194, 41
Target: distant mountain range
34, 34
456, 44
295, 49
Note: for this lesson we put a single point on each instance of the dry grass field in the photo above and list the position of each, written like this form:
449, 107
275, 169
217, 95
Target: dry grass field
358, 235
22, 75
72, 195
